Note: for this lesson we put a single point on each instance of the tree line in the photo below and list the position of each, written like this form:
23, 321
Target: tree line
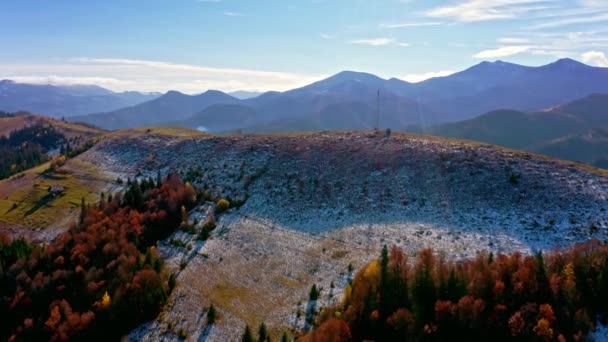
559, 295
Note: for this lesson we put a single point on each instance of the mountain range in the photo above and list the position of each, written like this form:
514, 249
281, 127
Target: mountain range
556, 109
349, 100
65, 101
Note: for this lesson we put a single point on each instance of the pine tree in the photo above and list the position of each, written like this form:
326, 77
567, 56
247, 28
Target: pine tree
247, 335
314, 292
263, 333
542, 280
211, 314
83, 210
284, 338
424, 291
384, 283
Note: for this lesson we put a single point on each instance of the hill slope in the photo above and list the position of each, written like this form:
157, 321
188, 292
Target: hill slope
317, 202
22, 120
573, 131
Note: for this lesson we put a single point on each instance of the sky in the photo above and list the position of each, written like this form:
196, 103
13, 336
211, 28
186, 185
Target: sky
259, 45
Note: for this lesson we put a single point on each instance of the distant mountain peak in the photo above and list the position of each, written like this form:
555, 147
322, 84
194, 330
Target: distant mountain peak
567, 63
214, 92
173, 93
349, 74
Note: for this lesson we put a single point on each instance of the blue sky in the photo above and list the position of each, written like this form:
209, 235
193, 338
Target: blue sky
194, 45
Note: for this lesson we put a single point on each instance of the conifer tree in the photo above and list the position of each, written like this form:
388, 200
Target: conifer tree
211, 314
263, 333
247, 335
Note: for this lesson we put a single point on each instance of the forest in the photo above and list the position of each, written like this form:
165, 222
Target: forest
100, 278
556, 296
26, 148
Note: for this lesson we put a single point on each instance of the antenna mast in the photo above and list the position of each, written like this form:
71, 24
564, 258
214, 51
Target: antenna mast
378, 111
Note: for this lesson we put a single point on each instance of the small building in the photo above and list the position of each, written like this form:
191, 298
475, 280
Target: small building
56, 190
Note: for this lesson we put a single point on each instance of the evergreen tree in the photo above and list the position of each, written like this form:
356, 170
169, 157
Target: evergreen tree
423, 293
247, 335
211, 314
314, 292
263, 333
83, 210
544, 290
384, 284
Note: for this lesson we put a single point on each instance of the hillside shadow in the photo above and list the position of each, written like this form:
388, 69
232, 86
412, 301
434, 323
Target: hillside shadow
40, 203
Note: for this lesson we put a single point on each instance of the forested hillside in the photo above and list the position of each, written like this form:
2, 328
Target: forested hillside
555, 296
102, 276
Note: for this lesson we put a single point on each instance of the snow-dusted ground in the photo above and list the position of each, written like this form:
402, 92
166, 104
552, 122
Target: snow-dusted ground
317, 203
600, 334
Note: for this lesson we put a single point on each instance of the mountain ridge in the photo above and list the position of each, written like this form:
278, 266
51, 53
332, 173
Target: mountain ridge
556, 131
64, 100
479, 89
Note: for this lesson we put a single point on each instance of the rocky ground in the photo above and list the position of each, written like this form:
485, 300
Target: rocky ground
317, 203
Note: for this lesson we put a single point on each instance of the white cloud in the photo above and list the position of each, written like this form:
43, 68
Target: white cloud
595, 58
425, 76
480, 10
374, 41
65, 80
379, 42
574, 20
402, 25
508, 40
327, 36
233, 14
129, 74
501, 52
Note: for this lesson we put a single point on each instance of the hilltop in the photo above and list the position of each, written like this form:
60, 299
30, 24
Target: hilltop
315, 203
69, 129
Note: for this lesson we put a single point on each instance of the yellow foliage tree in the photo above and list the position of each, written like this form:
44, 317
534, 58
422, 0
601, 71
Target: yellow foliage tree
105, 300
348, 290
372, 271
569, 277
543, 329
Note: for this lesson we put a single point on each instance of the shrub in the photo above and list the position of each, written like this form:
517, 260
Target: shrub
181, 334
514, 178
222, 205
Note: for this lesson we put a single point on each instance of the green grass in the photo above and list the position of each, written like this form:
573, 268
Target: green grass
35, 208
